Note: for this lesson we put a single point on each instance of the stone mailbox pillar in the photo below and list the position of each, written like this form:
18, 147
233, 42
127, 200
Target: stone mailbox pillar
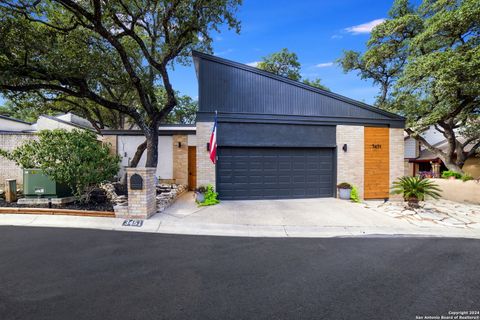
142, 202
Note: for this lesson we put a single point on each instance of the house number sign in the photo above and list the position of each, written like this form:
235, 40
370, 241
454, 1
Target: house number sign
136, 182
376, 146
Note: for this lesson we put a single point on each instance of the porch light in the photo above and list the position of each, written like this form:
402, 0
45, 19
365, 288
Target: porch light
344, 147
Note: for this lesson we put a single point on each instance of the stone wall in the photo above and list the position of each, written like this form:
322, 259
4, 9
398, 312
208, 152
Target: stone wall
350, 164
180, 159
8, 169
397, 151
205, 167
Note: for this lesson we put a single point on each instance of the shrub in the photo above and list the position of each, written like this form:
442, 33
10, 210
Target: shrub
447, 174
344, 185
354, 195
210, 196
415, 189
75, 158
466, 177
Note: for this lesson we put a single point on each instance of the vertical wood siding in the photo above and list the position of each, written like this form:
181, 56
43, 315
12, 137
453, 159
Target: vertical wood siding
377, 163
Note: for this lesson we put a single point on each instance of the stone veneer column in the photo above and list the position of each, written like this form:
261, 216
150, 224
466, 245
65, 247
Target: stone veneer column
397, 154
142, 204
350, 164
205, 167
180, 159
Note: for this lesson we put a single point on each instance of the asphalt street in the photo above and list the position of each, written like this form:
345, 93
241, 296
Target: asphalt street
48, 273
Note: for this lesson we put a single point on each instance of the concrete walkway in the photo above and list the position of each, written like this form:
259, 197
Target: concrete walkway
264, 218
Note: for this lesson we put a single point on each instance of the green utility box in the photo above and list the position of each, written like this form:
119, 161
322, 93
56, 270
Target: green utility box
36, 184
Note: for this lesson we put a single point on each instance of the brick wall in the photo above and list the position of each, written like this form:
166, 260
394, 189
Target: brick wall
205, 167
397, 151
350, 164
8, 169
180, 159
142, 204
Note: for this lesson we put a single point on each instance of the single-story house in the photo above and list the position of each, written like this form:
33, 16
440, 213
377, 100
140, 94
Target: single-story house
421, 161
279, 138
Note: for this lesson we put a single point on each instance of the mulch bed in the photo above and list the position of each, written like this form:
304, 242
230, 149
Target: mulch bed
106, 206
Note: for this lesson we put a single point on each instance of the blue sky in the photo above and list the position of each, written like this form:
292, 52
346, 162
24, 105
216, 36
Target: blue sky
317, 30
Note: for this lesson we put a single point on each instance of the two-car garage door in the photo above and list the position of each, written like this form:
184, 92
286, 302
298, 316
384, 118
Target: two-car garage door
275, 173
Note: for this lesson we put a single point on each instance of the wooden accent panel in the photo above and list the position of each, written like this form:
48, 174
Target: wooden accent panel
192, 168
377, 163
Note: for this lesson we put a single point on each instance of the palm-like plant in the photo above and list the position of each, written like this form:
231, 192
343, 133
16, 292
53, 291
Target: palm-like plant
414, 189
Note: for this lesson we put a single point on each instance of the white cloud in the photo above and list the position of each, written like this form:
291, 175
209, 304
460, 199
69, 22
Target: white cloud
364, 27
324, 65
336, 36
253, 64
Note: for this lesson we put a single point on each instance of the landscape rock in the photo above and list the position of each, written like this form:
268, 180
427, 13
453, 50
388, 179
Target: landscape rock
445, 212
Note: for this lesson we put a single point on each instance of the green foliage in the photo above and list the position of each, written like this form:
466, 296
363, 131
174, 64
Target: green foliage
317, 83
105, 60
354, 195
448, 174
210, 197
344, 185
426, 61
185, 112
414, 189
75, 158
284, 63
466, 177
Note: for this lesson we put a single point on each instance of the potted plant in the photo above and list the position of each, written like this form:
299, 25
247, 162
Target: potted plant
200, 194
206, 196
344, 190
414, 189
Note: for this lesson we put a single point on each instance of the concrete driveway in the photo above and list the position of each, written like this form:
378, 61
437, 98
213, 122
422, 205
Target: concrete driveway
325, 212
322, 217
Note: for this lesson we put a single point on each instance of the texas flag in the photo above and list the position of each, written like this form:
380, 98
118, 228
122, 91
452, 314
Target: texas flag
213, 142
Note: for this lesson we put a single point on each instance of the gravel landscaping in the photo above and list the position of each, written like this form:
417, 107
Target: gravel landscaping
441, 212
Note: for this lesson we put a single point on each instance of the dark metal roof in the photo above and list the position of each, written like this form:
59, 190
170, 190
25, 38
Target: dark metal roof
240, 92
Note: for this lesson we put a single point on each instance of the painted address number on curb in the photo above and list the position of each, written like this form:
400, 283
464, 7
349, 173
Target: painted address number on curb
132, 223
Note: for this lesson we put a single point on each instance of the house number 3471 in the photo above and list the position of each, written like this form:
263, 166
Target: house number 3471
376, 146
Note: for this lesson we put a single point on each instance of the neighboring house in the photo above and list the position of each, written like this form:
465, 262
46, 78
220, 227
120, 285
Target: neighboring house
173, 157
420, 161
11, 124
279, 138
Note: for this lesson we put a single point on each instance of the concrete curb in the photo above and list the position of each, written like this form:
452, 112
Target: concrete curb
274, 231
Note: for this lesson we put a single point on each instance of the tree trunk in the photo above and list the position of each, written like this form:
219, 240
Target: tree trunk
138, 154
152, 146
453, 166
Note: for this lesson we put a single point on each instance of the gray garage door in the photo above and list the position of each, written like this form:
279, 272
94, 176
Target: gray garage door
275, 173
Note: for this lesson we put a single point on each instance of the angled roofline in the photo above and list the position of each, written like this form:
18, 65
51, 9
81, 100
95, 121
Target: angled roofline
230, 63
67, 123
15, 120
